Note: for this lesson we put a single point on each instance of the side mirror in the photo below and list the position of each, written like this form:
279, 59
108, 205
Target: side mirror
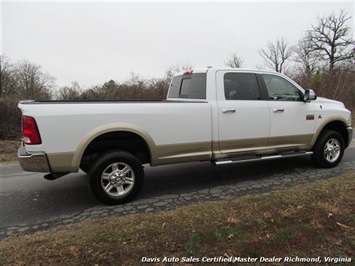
309, 95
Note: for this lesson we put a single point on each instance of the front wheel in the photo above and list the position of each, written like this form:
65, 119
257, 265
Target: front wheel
116, 177
329, 149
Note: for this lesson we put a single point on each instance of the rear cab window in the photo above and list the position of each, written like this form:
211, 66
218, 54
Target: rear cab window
188, 86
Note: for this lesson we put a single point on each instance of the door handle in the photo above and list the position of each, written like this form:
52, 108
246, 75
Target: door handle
276, 110
226, 111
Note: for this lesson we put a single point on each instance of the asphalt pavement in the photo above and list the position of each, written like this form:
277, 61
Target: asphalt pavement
30, 203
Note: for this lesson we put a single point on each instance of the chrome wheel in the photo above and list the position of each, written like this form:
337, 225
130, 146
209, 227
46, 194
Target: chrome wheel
332, 150
117, 179
329, 149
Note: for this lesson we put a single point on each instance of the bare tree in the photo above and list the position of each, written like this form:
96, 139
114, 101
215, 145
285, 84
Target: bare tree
276, 54
72, 92
8, 84
234, 61
32, 81
306, 55
332, 38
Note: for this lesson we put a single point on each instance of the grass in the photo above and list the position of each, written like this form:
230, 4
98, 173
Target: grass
192, 244
307, 221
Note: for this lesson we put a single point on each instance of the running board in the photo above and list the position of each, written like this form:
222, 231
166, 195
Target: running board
260, 158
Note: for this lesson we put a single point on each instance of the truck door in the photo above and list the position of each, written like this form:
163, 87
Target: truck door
243, 115
292, 121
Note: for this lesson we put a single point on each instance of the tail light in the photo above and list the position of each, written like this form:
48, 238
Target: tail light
30, 131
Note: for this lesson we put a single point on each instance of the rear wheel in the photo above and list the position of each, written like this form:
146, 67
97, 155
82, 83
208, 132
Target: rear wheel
116, 177
329, 149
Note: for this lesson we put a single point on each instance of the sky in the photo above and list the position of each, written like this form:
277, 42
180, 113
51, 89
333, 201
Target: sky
94, 42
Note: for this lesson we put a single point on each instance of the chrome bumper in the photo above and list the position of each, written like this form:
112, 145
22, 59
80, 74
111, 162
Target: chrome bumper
35, 162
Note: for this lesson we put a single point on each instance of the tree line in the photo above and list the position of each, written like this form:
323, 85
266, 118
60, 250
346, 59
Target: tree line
323, 59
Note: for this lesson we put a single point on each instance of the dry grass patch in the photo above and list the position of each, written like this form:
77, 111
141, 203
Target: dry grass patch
311, 220
8, 150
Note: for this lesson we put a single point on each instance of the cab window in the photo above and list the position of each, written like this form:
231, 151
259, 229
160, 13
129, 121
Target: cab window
241, 86
191, 86
280, 89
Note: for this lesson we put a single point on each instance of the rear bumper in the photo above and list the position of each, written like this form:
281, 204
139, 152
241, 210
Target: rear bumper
35, 162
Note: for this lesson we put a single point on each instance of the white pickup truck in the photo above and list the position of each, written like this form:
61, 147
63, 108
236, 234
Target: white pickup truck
218, 115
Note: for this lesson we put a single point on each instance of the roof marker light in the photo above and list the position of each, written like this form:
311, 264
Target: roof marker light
188, 72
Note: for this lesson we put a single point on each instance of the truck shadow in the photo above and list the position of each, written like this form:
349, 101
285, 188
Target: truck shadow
185, 178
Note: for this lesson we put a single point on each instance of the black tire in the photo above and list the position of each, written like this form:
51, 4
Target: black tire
85, 169
328, 150
116, 177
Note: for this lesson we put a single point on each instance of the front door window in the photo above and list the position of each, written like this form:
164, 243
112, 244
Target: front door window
280, 89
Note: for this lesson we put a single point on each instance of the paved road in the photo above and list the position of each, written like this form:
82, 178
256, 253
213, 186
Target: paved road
29, 203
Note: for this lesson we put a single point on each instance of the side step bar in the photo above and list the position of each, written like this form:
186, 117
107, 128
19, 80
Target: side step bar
260, 158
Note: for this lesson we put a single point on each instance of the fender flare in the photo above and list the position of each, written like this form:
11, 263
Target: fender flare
324, 125
107, 128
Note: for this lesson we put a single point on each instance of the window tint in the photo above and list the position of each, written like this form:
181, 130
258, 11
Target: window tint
241, 86
280, 89
189, 86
